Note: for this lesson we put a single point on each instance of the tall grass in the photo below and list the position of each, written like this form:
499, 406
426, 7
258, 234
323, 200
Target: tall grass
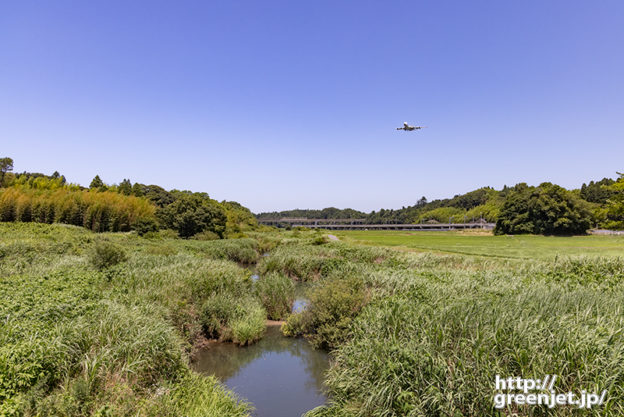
435, 333
309, 262
277, 293
424, 334
78, 341
411, 334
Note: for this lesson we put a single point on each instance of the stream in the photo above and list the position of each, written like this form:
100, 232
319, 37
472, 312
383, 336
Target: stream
280, 376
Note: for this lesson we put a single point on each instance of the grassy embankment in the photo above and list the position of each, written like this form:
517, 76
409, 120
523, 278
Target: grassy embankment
103, 324
424, 334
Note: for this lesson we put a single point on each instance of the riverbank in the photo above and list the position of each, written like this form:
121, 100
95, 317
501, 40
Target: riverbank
280, 376
82, 338
85, 337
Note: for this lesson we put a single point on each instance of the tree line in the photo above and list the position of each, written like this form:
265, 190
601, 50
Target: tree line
543, 209
125, 206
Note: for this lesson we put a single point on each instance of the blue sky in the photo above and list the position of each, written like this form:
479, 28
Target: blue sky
282, 104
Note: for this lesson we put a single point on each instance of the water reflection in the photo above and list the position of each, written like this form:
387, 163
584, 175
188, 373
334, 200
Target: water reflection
299, 305
280, 376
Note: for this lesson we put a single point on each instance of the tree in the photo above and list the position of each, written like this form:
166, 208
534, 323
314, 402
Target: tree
57, 176
137, 190
190, 214
125, 187
597, 192
97, 184
547, 209
157, 195
471, 199
6, 165
238, 217
615, 204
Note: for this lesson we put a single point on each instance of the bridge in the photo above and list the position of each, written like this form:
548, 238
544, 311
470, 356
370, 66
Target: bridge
360, 224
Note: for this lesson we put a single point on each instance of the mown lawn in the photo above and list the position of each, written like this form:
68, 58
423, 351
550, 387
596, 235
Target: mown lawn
527, 246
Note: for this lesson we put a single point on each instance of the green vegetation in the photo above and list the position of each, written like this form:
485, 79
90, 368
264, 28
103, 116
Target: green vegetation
97, 211
102, 325
191, 214
106, 254
545, 209
326, 213
482, 243
435, 348
614, 211
231, 316
242, 251
277, 293
416, 333
417, 323
35, 197
6, 165
327, 321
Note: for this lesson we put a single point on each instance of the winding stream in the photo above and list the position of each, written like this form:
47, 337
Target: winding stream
280, 376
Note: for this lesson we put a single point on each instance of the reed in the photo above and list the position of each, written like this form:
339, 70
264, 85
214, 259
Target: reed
80, 341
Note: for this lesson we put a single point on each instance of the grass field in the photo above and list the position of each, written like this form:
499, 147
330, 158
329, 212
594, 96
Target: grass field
520, 246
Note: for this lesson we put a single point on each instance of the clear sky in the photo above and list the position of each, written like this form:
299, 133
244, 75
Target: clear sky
284, 104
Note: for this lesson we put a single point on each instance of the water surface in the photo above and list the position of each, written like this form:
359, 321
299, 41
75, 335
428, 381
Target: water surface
299, 305
280, 376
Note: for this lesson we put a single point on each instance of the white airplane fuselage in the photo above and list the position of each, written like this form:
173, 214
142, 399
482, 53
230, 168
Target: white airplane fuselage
408, 128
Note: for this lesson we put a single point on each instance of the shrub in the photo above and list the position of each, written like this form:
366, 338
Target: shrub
218, 311
236, 250
277, 292
333, 306
311, 262
614, 210
106, 254
250, 327
296, 324
197, 396
320, 240
162, 250
233, 318
206, 235
145, 226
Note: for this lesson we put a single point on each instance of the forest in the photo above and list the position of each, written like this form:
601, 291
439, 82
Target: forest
36, 197
543, 209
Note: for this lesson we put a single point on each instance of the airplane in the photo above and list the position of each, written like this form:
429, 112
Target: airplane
407, 127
